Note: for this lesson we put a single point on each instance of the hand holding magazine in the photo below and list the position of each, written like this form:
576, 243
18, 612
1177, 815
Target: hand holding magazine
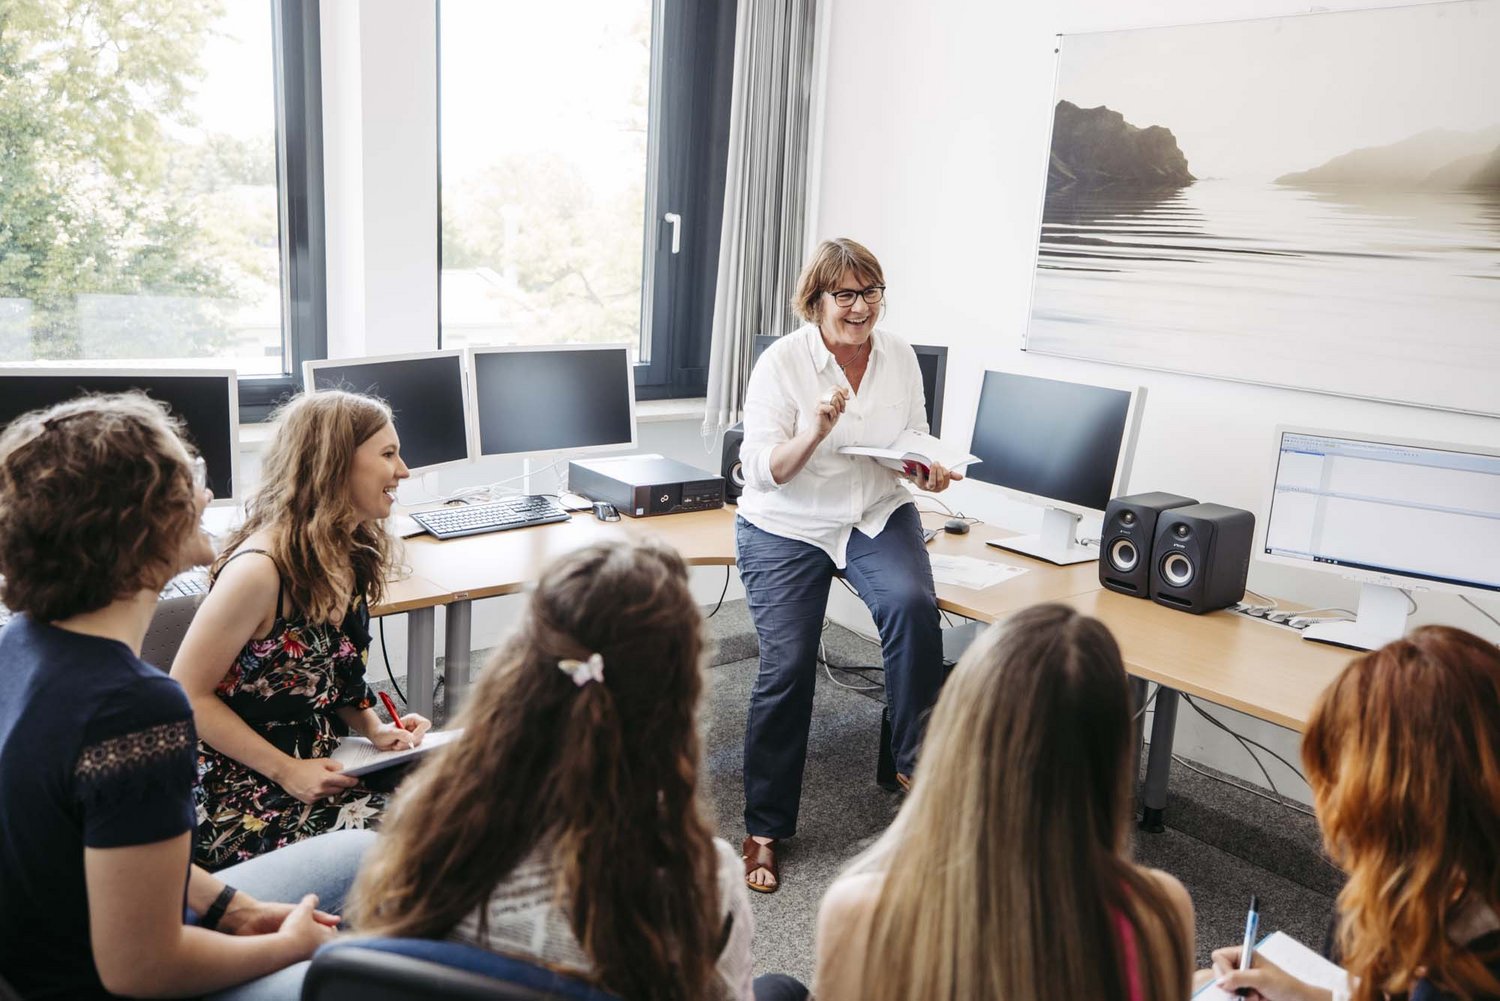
914, 452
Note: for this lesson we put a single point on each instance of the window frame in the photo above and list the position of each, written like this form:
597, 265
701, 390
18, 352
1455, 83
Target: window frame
302, 237
687, 157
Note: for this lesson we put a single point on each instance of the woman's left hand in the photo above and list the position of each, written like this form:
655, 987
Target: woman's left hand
389, 737
255, 917
937, 479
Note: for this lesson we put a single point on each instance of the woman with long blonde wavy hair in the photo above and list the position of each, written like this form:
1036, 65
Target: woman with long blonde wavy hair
564, 827
274, 661
1403, 757
1007, 874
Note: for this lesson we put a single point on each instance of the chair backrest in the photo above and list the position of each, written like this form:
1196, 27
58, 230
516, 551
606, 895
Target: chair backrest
409, 969
168, 626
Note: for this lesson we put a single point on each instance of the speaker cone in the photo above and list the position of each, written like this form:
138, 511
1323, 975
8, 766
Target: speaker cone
737, 475
1123, 555
1177, 569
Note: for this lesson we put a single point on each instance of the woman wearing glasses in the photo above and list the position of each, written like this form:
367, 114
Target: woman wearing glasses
809, 513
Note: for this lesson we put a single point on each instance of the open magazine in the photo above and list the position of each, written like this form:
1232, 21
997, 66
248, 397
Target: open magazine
914, 452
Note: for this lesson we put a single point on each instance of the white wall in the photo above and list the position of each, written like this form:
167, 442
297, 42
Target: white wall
934, 153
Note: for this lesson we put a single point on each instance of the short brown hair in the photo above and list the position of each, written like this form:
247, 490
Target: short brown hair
96, 500
824, 269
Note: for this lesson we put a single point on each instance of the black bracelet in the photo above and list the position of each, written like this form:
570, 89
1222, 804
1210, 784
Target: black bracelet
215, 912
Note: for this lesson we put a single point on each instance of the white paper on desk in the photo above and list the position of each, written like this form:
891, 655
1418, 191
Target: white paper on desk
1296, 959
359, 756
403, 526
970, 572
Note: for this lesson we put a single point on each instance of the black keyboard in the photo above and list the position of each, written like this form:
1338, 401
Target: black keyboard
497, 516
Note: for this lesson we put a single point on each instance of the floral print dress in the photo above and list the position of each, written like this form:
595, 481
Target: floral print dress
287, 687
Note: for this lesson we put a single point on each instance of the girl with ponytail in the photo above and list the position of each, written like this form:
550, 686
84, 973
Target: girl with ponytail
563, 827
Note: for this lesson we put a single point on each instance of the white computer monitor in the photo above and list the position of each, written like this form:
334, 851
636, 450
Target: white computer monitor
206, 400
1065, 446
427, 392
572, 398
1393, 514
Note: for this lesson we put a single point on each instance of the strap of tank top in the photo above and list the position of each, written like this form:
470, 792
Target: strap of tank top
280, 577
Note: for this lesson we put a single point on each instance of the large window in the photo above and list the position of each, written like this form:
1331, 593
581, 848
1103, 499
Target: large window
155, 194
582, 156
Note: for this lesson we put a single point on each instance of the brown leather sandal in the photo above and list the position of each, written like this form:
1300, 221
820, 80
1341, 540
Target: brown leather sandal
758, 856
904, 781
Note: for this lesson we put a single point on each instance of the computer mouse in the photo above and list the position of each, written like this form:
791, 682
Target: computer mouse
956, 526
605, 511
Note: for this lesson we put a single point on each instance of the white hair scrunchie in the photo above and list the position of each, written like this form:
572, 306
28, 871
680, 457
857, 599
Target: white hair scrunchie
583, 671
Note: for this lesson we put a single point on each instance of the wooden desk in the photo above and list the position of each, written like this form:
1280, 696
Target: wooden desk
1228, 659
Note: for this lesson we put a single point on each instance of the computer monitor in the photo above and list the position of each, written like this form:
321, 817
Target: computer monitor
426, 393
762, 341
1389, 513
573, 398
1064, 445
932, 359
206, 400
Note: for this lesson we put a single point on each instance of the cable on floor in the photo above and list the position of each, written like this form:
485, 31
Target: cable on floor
1246, 742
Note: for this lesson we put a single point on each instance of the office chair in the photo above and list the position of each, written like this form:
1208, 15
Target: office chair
168, 626
409, 969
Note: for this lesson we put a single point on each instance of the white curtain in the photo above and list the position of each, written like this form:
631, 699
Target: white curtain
765, 192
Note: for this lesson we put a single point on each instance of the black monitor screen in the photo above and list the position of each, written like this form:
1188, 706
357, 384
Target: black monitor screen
552, 400
1051, 439
200, 401
426, 396
933, 361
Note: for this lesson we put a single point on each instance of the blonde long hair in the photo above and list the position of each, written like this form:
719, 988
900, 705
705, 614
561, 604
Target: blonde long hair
1007, 872
604, 775
1403, 757
304, 503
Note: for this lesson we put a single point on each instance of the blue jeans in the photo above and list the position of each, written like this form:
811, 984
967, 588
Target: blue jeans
786, 588
324, 865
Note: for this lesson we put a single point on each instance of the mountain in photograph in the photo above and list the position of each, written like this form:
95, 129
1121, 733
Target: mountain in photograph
1436, 159
1097, 148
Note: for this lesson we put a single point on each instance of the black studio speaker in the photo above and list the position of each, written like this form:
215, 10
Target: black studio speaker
1129, 532
1201, 557
730, 469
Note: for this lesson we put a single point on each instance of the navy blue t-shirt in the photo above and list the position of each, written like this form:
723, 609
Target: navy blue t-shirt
96, 751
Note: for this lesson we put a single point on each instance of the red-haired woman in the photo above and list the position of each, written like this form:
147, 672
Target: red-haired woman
1403, 756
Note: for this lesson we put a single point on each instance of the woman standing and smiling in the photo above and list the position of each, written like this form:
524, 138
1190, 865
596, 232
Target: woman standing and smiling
275, 659
809, 513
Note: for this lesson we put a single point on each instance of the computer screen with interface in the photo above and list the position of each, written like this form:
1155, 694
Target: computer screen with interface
206, 400
559, 398
1064, 445
426, 395
1423, 512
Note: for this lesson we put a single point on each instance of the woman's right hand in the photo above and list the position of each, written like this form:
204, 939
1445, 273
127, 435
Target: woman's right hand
312, 779
1264, 980
303, 931
830, 407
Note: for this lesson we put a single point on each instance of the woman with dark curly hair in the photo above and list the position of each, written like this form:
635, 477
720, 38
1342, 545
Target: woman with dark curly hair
1403, 757
275, 659
99, 507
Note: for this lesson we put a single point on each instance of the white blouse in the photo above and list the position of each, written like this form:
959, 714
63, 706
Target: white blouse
833, 494
525, 919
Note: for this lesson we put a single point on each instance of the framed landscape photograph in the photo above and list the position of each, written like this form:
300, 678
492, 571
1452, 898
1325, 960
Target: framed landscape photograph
1310, 202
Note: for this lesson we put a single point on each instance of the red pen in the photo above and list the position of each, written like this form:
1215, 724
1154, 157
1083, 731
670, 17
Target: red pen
390, 707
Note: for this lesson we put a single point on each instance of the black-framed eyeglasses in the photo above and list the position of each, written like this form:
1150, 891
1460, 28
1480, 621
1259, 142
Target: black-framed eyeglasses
872, 295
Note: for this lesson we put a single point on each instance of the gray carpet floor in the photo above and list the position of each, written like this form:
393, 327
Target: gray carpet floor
1223, 843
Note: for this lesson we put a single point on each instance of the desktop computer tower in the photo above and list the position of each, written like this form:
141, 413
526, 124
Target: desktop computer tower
646, 485
1129, 533
1201, 557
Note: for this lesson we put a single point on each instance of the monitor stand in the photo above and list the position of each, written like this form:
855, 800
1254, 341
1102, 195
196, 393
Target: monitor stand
1380, 619
1055, 543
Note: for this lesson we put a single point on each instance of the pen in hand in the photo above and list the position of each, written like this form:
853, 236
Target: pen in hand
1247, 950
390, 707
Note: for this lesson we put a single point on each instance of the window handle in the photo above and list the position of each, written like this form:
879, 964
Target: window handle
675, 221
